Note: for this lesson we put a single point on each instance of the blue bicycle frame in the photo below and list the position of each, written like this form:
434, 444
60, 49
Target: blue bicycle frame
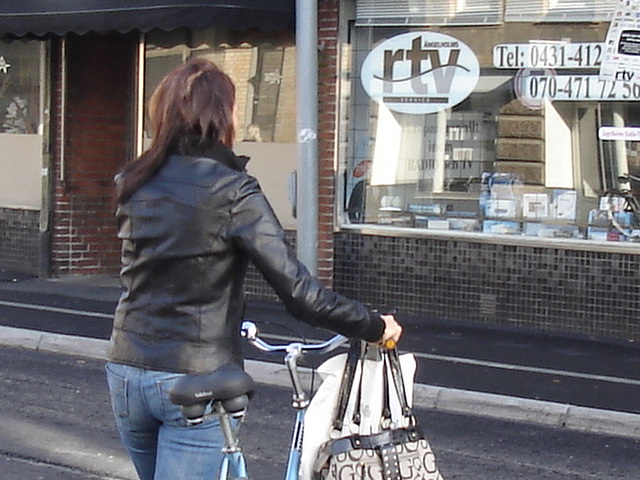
234, 462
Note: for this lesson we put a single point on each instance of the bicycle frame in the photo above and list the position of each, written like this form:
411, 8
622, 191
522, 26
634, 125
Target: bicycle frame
233, 461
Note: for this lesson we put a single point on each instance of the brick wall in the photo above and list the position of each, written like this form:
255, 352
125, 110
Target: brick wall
98, 141
328, 22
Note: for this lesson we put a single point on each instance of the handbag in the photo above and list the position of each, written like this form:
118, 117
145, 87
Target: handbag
318, 421
398, 450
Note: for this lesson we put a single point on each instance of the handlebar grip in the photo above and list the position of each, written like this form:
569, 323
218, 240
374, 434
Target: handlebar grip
390, 344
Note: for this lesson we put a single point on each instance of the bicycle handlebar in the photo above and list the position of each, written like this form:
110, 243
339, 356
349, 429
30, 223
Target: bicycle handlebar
250, 332
293, 352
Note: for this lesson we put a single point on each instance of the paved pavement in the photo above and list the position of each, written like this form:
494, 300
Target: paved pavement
583, 384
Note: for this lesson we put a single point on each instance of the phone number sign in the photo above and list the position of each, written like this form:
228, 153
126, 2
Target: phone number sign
534, 87
555, 55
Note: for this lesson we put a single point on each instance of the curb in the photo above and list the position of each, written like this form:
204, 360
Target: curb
451, 400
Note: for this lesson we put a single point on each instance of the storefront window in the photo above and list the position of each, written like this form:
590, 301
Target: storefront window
19, 87
21, 118
261, 65
493, 129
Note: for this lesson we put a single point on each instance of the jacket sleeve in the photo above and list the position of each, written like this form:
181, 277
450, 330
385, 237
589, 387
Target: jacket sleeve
258, 233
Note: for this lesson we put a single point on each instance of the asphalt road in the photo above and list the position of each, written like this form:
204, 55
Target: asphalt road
55, 424
574, 371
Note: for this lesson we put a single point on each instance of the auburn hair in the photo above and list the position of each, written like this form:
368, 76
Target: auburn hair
195, 100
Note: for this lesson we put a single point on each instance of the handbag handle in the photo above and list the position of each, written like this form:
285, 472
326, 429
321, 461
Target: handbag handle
391, 363
348, 376
393, 360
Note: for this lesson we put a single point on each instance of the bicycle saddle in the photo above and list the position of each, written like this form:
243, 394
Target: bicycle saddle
229, 384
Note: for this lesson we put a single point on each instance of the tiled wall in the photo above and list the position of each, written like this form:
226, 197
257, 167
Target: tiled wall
554, 290
557, 291
19, 241
256, 286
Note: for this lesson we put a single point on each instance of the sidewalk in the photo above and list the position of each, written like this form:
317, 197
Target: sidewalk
451, 383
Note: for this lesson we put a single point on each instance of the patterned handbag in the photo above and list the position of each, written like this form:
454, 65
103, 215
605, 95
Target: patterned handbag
394, 452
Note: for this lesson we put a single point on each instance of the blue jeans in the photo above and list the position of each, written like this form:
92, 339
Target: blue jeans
154, 432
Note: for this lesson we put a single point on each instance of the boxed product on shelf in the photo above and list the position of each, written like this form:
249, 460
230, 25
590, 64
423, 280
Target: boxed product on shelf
502, 207
501, 226
466, 224
612, 203
564, 204
599, 218
604, 235
552, 231
438, 224
535, 205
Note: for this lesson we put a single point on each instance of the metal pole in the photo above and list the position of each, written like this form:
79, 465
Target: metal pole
307, 114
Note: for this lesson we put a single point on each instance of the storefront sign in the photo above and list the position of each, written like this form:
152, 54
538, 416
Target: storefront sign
622, 54
533, 87
420, 72
556, 55
619, 133
446, 148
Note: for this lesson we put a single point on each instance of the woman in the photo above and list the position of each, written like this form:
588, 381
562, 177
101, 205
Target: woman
190, 219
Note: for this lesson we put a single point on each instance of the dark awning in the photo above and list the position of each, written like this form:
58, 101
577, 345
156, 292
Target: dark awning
41, 17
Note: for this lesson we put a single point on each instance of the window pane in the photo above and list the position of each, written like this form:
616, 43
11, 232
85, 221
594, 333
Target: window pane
21, 141
420, 12
19, 87
262, 67
521, 154
406, 169
559, 10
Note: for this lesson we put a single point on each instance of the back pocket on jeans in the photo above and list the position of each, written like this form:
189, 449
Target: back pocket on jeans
118, 386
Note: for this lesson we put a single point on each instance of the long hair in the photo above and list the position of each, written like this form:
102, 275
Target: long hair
194, 100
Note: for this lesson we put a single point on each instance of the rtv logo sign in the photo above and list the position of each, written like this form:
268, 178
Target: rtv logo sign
420, 72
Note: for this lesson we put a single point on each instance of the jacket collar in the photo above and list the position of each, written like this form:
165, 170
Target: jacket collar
191, 147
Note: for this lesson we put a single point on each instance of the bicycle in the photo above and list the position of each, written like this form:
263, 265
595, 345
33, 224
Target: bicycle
623, 209
226, 393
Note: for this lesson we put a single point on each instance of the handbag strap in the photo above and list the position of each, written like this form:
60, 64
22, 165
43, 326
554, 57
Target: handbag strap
391, 364
385, 417
348, 375
393, 361
356, 417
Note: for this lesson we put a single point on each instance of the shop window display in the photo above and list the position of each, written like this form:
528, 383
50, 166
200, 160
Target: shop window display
516, 149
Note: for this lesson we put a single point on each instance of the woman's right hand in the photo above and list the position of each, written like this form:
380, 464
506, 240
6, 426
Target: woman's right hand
392, 332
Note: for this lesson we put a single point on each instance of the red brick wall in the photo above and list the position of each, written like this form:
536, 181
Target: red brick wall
98, 141
327, 100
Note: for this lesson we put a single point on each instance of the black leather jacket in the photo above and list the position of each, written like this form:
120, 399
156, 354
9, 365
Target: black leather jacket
188, 234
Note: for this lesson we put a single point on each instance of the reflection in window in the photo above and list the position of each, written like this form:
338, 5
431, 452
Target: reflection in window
262, 68
19, 87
